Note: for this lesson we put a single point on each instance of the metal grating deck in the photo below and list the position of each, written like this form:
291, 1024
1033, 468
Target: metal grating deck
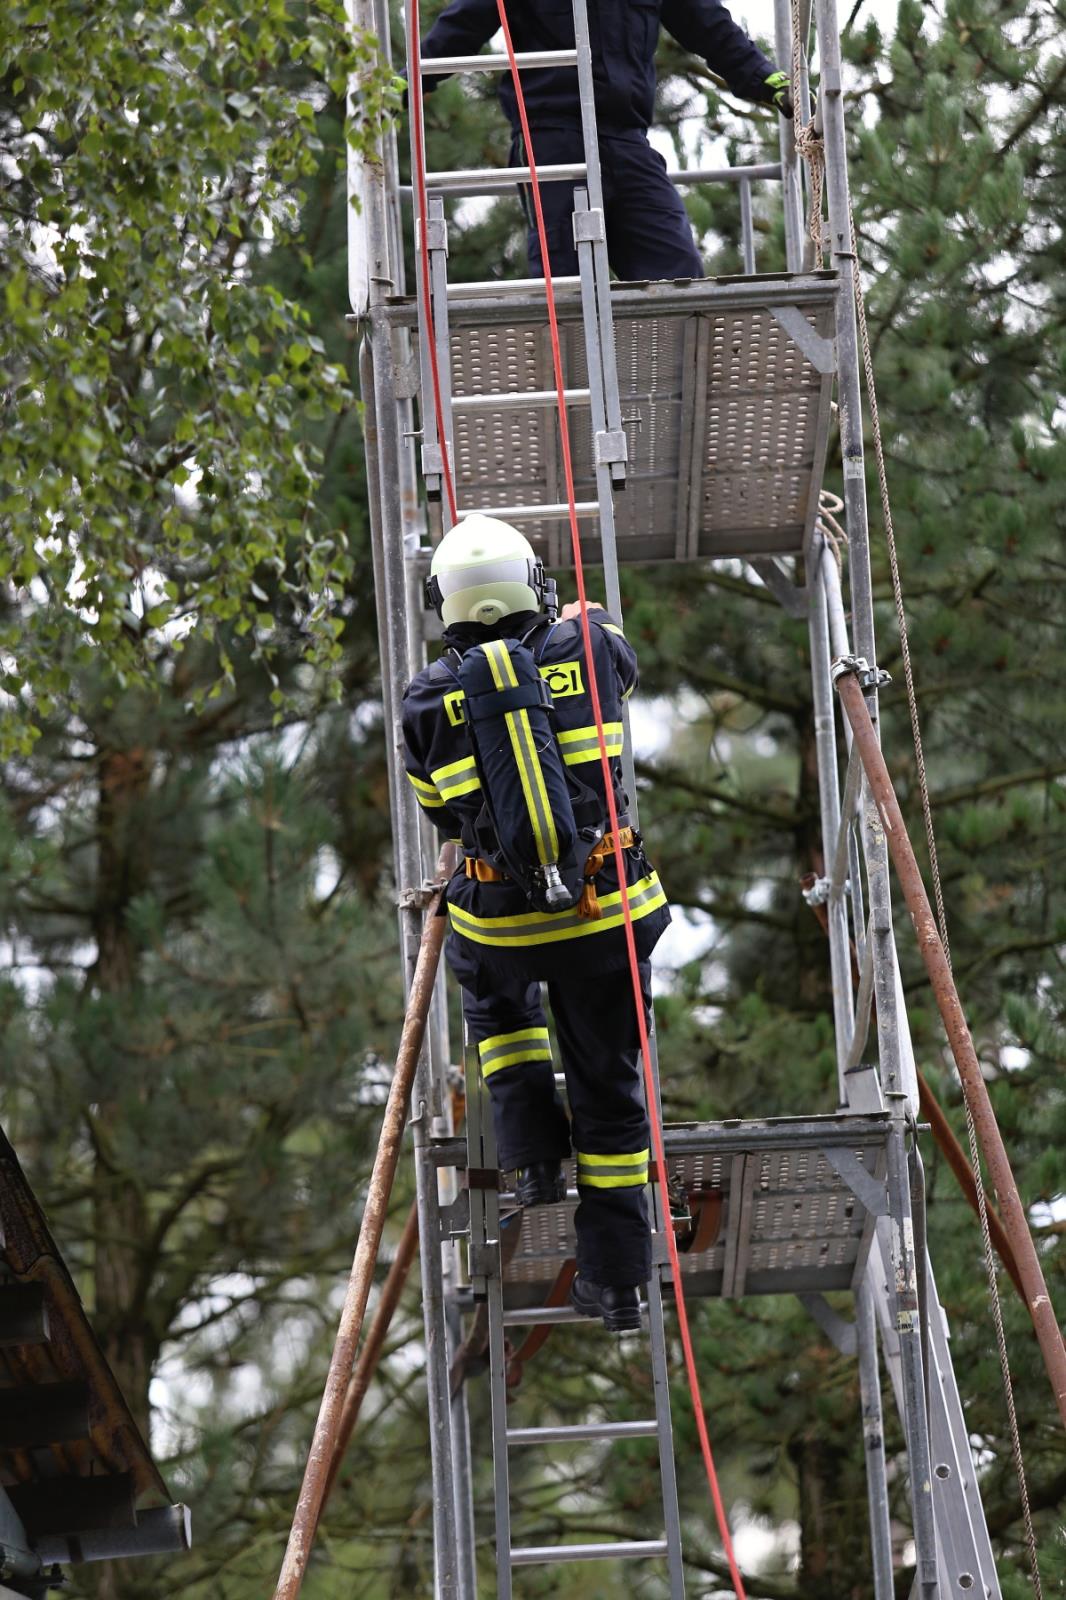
790, 1224
726, 417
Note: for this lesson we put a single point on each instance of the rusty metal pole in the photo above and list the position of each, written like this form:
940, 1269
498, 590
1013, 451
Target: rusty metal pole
1037, 1298
323, 1443
933, 1112
370, 1354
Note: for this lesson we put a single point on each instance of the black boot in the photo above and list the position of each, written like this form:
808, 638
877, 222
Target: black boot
542, 1184
619, 1307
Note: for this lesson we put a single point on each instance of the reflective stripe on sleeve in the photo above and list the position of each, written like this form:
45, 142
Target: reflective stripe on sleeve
508, 1049
459, 777
546, 927
426, 792
629, 1171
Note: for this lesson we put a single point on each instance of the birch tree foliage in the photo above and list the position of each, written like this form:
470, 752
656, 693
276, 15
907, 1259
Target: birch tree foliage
156, 474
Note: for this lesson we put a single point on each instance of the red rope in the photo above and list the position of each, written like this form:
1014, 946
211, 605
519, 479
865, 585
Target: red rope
414, 89
619, 858
597, 709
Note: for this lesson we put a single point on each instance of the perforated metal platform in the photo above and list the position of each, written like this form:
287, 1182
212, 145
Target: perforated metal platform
790, 1222
726, 415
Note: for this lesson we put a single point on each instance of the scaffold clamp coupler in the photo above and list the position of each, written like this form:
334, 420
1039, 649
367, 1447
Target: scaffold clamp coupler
817, 893
869, 677
419, 899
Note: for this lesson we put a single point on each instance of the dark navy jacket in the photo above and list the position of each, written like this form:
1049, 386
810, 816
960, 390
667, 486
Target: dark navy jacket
492, 923
624, 35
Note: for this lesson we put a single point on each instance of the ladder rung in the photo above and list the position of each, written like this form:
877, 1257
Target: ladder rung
529, 1555
582, 1430
538, 1316
485, 288
555, 510
517, 399
526, 59
500, 180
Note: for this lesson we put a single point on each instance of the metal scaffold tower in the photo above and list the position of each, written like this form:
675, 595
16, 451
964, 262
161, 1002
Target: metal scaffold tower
711, 402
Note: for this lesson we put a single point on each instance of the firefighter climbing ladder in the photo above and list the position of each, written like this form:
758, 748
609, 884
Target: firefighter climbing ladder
710, 403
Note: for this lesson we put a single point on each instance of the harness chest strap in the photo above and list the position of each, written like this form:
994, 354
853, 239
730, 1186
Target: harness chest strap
588, 905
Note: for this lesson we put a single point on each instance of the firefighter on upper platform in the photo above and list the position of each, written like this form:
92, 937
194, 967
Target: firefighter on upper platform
502, 749
648, 231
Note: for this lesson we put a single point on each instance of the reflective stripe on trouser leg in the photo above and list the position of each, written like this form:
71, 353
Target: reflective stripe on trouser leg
509, 1027
512, 1049
599, 1046
624, 1171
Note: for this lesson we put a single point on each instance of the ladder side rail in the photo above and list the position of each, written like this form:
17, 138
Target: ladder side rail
905, 1298
873, 1434
487, 1242
438, 285
955, 1495
660, 1206
791, 174
660, 1377
381, 25
829, 798
747, 231
612, 424
391, 582
955, 1492
895, 1077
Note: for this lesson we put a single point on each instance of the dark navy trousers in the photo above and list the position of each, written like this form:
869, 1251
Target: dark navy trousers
599, 1047
648, 231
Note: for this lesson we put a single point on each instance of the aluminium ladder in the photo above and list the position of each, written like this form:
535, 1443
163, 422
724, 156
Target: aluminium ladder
711, 402
599, 394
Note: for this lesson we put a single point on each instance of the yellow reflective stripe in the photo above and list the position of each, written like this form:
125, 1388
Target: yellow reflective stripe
632, 1158
540, 927
467, 764
533, 786
611, 730
454, 790
502, 671
487, 1045
527, 761
585, 1181
425, 793
612, 627
466, 772
581, 744
512, 1049
629, 1171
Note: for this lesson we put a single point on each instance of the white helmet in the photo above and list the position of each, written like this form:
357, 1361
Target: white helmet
482, 571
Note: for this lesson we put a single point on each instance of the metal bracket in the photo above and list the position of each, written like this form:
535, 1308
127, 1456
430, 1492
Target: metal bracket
821, 353
869, 677
863, 1185
838, 1329
436, 234
454, 1219
611, 446
432, 461
792, 598
485, 1259
589, 225
419, 899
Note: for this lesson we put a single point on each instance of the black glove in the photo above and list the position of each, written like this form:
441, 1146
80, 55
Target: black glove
779, 93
